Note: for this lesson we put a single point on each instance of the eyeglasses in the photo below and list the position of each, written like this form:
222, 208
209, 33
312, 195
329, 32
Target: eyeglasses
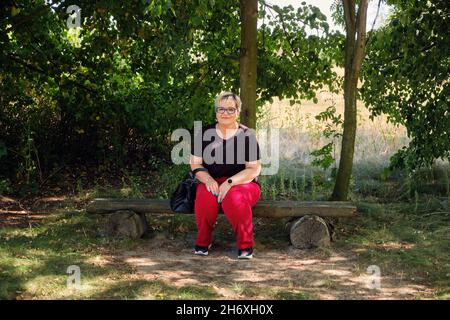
222, 110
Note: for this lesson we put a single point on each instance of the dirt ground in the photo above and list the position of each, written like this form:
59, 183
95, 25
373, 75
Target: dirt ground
334, 275
276, 269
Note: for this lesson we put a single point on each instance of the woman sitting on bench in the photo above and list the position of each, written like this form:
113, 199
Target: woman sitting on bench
230, 154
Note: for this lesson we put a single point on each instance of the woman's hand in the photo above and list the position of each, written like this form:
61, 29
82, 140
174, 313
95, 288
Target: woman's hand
223, 189
212, 186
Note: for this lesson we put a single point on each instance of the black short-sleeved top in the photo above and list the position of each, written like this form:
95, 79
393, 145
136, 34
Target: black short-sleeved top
225, 158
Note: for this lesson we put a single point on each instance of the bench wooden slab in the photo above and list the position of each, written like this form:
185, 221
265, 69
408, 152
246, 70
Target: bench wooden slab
266, 209
307, 227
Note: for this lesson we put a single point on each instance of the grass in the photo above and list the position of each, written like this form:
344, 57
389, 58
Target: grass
36, 259
404, 240
281, 294
34, 262
403, 224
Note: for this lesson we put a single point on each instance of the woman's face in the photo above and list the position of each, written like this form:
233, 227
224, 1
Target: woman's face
227, 112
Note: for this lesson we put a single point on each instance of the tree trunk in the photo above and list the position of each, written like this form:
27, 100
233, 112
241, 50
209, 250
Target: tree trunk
310, 232
354, 55
248, 58
126, 223
341, 187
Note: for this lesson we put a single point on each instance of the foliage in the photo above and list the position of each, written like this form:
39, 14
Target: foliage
324, 157
406, 75
296, 53
115, 88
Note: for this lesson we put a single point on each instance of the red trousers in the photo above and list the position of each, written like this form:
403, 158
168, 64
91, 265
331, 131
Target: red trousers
237, 207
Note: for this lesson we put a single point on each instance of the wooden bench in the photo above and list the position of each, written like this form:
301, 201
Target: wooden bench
307, 227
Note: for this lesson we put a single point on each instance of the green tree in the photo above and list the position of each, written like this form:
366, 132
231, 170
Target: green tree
407, 77
113, 90
296, 53
355, 22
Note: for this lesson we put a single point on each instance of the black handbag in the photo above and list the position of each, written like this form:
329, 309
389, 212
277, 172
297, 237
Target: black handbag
183, 198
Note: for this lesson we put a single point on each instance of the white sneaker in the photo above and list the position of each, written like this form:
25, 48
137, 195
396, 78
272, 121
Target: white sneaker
201, 251
245, 253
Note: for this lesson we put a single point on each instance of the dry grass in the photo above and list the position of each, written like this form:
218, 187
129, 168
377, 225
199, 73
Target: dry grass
301, 133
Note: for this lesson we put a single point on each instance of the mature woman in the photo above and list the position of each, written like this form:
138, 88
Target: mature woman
228, 158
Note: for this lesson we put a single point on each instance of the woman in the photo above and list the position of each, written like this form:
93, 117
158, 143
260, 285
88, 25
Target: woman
230, 154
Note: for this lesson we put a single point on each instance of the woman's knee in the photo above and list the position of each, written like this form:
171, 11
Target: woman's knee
234, 199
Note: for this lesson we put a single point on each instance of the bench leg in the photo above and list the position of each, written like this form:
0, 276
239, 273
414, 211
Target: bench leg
309, 232
126, 223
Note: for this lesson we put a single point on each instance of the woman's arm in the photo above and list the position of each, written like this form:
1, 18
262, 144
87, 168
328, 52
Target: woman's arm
204, 176
251, 171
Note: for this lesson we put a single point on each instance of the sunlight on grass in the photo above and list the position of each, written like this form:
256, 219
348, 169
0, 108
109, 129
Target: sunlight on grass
283, 294
403, 224
400, 243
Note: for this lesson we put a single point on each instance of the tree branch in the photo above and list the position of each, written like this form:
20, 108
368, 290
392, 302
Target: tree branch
425, 49
264, 3
349, 15
373, 23
25, 64
361, 20
34, 68
288, 38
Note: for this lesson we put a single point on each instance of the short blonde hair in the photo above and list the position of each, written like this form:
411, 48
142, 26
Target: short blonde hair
225, 95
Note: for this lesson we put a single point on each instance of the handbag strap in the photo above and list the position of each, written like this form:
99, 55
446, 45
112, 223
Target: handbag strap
198, 170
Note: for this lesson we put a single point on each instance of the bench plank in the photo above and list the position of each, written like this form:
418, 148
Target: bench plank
267, 209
